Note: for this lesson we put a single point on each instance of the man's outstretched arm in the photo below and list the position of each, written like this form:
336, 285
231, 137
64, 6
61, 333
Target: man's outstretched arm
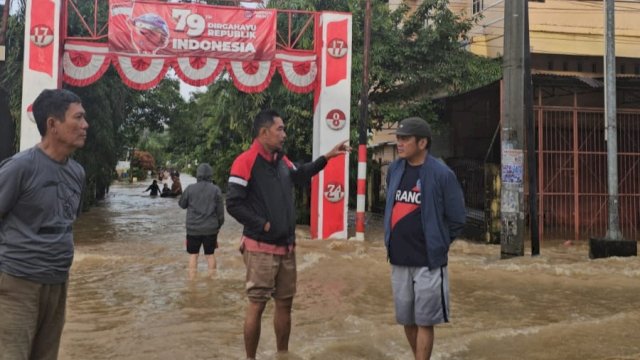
303, 173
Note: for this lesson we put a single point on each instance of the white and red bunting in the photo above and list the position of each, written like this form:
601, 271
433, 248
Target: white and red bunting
198, 71
299, 72
85, 62
251, 76
140, 72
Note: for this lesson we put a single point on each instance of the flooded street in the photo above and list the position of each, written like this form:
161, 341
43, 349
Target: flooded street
130, 297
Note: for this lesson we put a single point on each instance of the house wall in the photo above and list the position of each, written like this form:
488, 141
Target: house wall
474, 118
556, 27
394, 4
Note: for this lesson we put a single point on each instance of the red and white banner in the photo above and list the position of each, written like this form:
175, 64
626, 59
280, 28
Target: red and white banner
41, 59
85, 62
330, 188
191, 30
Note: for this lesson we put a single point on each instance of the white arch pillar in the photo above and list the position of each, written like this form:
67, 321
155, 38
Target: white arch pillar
330, 188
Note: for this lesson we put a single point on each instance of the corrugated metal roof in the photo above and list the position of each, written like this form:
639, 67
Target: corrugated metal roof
591, 79
585, 78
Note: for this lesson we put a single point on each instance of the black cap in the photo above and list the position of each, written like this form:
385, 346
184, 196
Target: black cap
414, 126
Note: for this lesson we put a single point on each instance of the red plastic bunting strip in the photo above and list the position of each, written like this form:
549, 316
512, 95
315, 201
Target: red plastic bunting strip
299, 72
141, 73
198, 71
84, 62
251, 76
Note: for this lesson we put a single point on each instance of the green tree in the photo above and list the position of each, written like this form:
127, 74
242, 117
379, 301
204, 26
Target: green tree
156, 144
102, 101
152, 110
11, 68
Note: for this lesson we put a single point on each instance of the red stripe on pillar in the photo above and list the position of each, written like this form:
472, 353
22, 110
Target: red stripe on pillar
361, 189
362, 153
361, 186
360, 222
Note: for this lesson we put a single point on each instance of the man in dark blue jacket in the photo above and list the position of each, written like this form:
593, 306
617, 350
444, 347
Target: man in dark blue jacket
424, 213
260, 197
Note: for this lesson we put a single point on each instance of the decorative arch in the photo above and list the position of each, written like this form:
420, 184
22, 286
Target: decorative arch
200, 42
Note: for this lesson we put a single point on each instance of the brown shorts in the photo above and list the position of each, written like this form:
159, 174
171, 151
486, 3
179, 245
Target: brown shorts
270, 275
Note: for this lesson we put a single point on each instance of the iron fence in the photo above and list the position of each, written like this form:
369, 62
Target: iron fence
572, 172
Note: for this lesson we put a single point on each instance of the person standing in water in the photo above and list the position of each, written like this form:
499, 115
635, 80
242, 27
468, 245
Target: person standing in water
176, 186
260, 197
166, 191
205, 216
40, 198
424, 213
155, 189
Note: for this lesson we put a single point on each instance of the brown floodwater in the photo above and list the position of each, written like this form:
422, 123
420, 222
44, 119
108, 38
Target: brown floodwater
130, 296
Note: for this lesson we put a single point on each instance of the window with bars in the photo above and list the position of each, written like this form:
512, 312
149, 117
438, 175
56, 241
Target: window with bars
477, 6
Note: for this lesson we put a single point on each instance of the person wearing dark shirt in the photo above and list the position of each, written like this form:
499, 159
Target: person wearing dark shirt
166, 191
424, 213
155, 189
260, 197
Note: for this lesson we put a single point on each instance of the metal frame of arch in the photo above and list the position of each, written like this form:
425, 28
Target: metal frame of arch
313, 53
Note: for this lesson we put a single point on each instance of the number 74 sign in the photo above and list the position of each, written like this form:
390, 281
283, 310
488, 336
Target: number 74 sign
333, 192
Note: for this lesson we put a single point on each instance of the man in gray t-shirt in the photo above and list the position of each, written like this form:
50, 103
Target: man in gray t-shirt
40, 197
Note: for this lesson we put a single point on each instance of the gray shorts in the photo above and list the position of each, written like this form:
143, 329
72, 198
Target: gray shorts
421, 295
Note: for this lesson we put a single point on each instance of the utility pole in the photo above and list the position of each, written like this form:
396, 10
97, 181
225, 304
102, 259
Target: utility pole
611, 127
613, 244
362, 128
512, 130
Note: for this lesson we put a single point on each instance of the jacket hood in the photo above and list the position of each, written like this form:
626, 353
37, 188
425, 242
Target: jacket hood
204, 172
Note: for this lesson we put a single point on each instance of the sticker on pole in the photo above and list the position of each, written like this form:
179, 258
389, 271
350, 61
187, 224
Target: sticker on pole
337, 48
41, 35
333, 192
336, 119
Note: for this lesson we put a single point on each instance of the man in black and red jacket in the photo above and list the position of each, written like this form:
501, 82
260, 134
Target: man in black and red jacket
260, 197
